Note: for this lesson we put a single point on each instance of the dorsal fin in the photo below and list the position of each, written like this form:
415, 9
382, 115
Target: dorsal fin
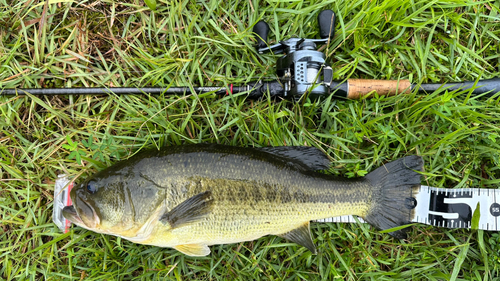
310, 157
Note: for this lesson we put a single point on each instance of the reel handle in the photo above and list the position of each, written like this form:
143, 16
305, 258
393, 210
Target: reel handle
326, 22
261, 30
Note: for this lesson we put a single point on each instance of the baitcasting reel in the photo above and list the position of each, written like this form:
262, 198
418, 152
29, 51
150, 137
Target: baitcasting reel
302, 69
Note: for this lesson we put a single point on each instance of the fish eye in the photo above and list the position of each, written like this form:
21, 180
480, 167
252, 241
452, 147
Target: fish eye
91, 187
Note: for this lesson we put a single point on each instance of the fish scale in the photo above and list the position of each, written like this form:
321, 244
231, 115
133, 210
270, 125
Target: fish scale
229, 199
254, 217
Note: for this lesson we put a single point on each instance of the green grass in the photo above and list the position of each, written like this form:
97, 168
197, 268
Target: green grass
117, 43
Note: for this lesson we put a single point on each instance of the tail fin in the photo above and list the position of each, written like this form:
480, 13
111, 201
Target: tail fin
394, 184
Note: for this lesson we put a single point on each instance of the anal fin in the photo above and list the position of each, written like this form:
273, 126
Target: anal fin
301, 236
194, 250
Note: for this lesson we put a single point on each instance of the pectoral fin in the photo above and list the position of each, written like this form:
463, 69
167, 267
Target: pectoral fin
301, 236
194, 250
189, 211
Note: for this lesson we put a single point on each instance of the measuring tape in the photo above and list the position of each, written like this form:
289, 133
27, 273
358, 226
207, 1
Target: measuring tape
62, 188
451, 208
442, 207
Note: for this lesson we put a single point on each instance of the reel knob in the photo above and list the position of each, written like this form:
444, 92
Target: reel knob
260, 30
326, 22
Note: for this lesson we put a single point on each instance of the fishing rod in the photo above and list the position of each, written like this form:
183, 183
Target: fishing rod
302, 70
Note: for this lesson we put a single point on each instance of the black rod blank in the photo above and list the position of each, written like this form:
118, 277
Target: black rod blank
487, 86
254, 90
117, 91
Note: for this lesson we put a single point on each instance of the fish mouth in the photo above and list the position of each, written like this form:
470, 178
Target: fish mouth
81, 213
69, 212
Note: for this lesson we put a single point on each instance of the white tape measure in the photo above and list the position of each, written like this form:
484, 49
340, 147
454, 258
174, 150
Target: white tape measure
451, 208
62, 189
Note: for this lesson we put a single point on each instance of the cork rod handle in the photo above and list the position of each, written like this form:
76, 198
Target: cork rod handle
362, 87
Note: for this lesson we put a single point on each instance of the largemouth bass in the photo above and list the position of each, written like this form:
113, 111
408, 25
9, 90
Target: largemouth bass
190, 197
